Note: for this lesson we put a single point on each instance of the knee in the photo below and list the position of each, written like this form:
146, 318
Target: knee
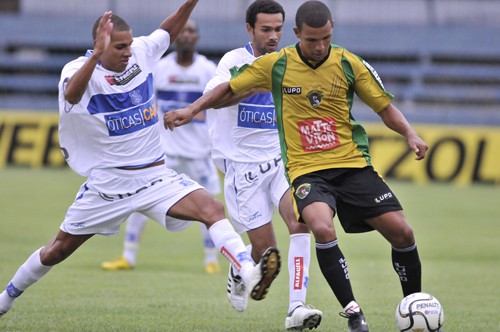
404, 237
213, 212
323, 232
51, 255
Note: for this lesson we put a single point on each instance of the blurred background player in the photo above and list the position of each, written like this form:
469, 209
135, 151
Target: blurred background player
179, 79
246, 147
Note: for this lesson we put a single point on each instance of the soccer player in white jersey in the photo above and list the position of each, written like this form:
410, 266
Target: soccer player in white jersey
108, 132
246, 147
179, 79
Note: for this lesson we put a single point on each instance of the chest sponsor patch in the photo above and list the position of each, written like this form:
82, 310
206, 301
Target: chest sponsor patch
318, 134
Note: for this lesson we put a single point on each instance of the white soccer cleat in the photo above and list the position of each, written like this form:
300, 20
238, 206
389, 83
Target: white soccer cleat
303, 317
236, 291
264, 273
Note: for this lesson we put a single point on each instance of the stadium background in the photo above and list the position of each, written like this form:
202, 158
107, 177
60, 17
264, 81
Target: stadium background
441, 58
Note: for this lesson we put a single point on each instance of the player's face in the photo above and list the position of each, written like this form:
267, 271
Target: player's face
116, 56
267, 33
315, 42
187, 39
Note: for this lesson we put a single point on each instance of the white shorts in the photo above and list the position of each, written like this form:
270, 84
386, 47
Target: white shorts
109, 196
202, 171
252, 190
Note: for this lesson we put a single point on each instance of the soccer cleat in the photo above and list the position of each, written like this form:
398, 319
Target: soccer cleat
264, 273
212, 267
236, 291
356, 319
303, 317
119, 264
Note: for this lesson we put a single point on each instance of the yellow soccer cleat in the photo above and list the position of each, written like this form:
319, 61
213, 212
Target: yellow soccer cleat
212, 268
119, 264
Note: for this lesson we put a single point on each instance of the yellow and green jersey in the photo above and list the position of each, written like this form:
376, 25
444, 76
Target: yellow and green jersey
313, 106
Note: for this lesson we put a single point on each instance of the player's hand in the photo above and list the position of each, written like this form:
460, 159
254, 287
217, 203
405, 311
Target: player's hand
418, 146
103, 34
177, 118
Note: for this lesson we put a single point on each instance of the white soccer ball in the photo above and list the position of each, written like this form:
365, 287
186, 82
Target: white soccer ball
419, 312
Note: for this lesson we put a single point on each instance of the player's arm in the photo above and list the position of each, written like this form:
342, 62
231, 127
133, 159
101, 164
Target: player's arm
219, 95
176, 21
235, 99
77, 84
395, 120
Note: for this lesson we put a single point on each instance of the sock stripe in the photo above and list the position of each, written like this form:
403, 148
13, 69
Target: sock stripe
326, 245
410, 248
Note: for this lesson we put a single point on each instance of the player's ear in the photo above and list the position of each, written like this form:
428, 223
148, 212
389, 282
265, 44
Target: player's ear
250, 29
296, 31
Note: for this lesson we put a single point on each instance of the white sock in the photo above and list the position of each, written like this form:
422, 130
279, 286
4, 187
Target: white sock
208, 245
133, 232
231, 246
299, 258
27, 274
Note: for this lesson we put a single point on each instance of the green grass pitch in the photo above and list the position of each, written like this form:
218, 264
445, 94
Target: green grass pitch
457, 231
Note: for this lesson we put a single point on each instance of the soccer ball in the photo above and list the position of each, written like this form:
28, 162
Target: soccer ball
419, 312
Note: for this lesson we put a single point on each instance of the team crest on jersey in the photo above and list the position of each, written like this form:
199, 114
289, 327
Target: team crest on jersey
125, 77
315, 97
303, 190
135, 97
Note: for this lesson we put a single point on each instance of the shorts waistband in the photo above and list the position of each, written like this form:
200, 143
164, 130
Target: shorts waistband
156, 163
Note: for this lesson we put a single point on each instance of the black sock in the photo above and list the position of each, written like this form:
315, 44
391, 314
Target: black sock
334, 268
407, 264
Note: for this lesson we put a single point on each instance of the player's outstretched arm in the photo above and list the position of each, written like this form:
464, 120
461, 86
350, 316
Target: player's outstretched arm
219, 95
395, 120
176, 21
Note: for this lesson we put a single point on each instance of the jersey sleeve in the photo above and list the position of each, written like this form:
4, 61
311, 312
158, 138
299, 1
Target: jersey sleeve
368, 85
155, 45
255, 75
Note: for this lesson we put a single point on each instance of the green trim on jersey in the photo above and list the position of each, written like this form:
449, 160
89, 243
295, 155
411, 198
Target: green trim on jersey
359, 135
278, 73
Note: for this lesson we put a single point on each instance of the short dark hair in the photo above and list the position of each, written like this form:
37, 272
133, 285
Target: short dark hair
119, 24
263, 7
314, 14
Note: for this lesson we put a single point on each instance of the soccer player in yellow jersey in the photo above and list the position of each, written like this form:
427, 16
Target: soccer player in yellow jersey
325, 150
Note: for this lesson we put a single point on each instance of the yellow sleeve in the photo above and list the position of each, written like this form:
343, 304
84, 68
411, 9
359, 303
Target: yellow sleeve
255, 75
368, 85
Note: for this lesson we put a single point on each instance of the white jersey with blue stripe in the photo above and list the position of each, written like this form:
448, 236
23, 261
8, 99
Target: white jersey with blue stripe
246, 132
114, 124
176, 87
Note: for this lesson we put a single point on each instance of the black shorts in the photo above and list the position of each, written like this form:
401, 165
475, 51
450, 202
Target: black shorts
355, 194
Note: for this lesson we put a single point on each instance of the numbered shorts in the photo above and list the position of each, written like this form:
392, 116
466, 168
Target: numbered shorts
202, 171
356, 194
109, 196
252, 190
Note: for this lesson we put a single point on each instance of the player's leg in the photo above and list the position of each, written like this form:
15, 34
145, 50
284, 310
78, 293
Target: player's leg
133, 233
38, 264
314, 201
300, 315
405, 258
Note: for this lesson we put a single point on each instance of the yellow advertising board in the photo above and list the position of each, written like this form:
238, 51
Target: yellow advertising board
457, 154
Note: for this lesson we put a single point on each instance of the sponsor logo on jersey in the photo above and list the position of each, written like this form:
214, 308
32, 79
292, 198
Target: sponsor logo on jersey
183, 79
292, 90
303, 190
125, 77
257, 112
131, 120
298, 266
318, 134
374, 73
315, 97
383, 197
